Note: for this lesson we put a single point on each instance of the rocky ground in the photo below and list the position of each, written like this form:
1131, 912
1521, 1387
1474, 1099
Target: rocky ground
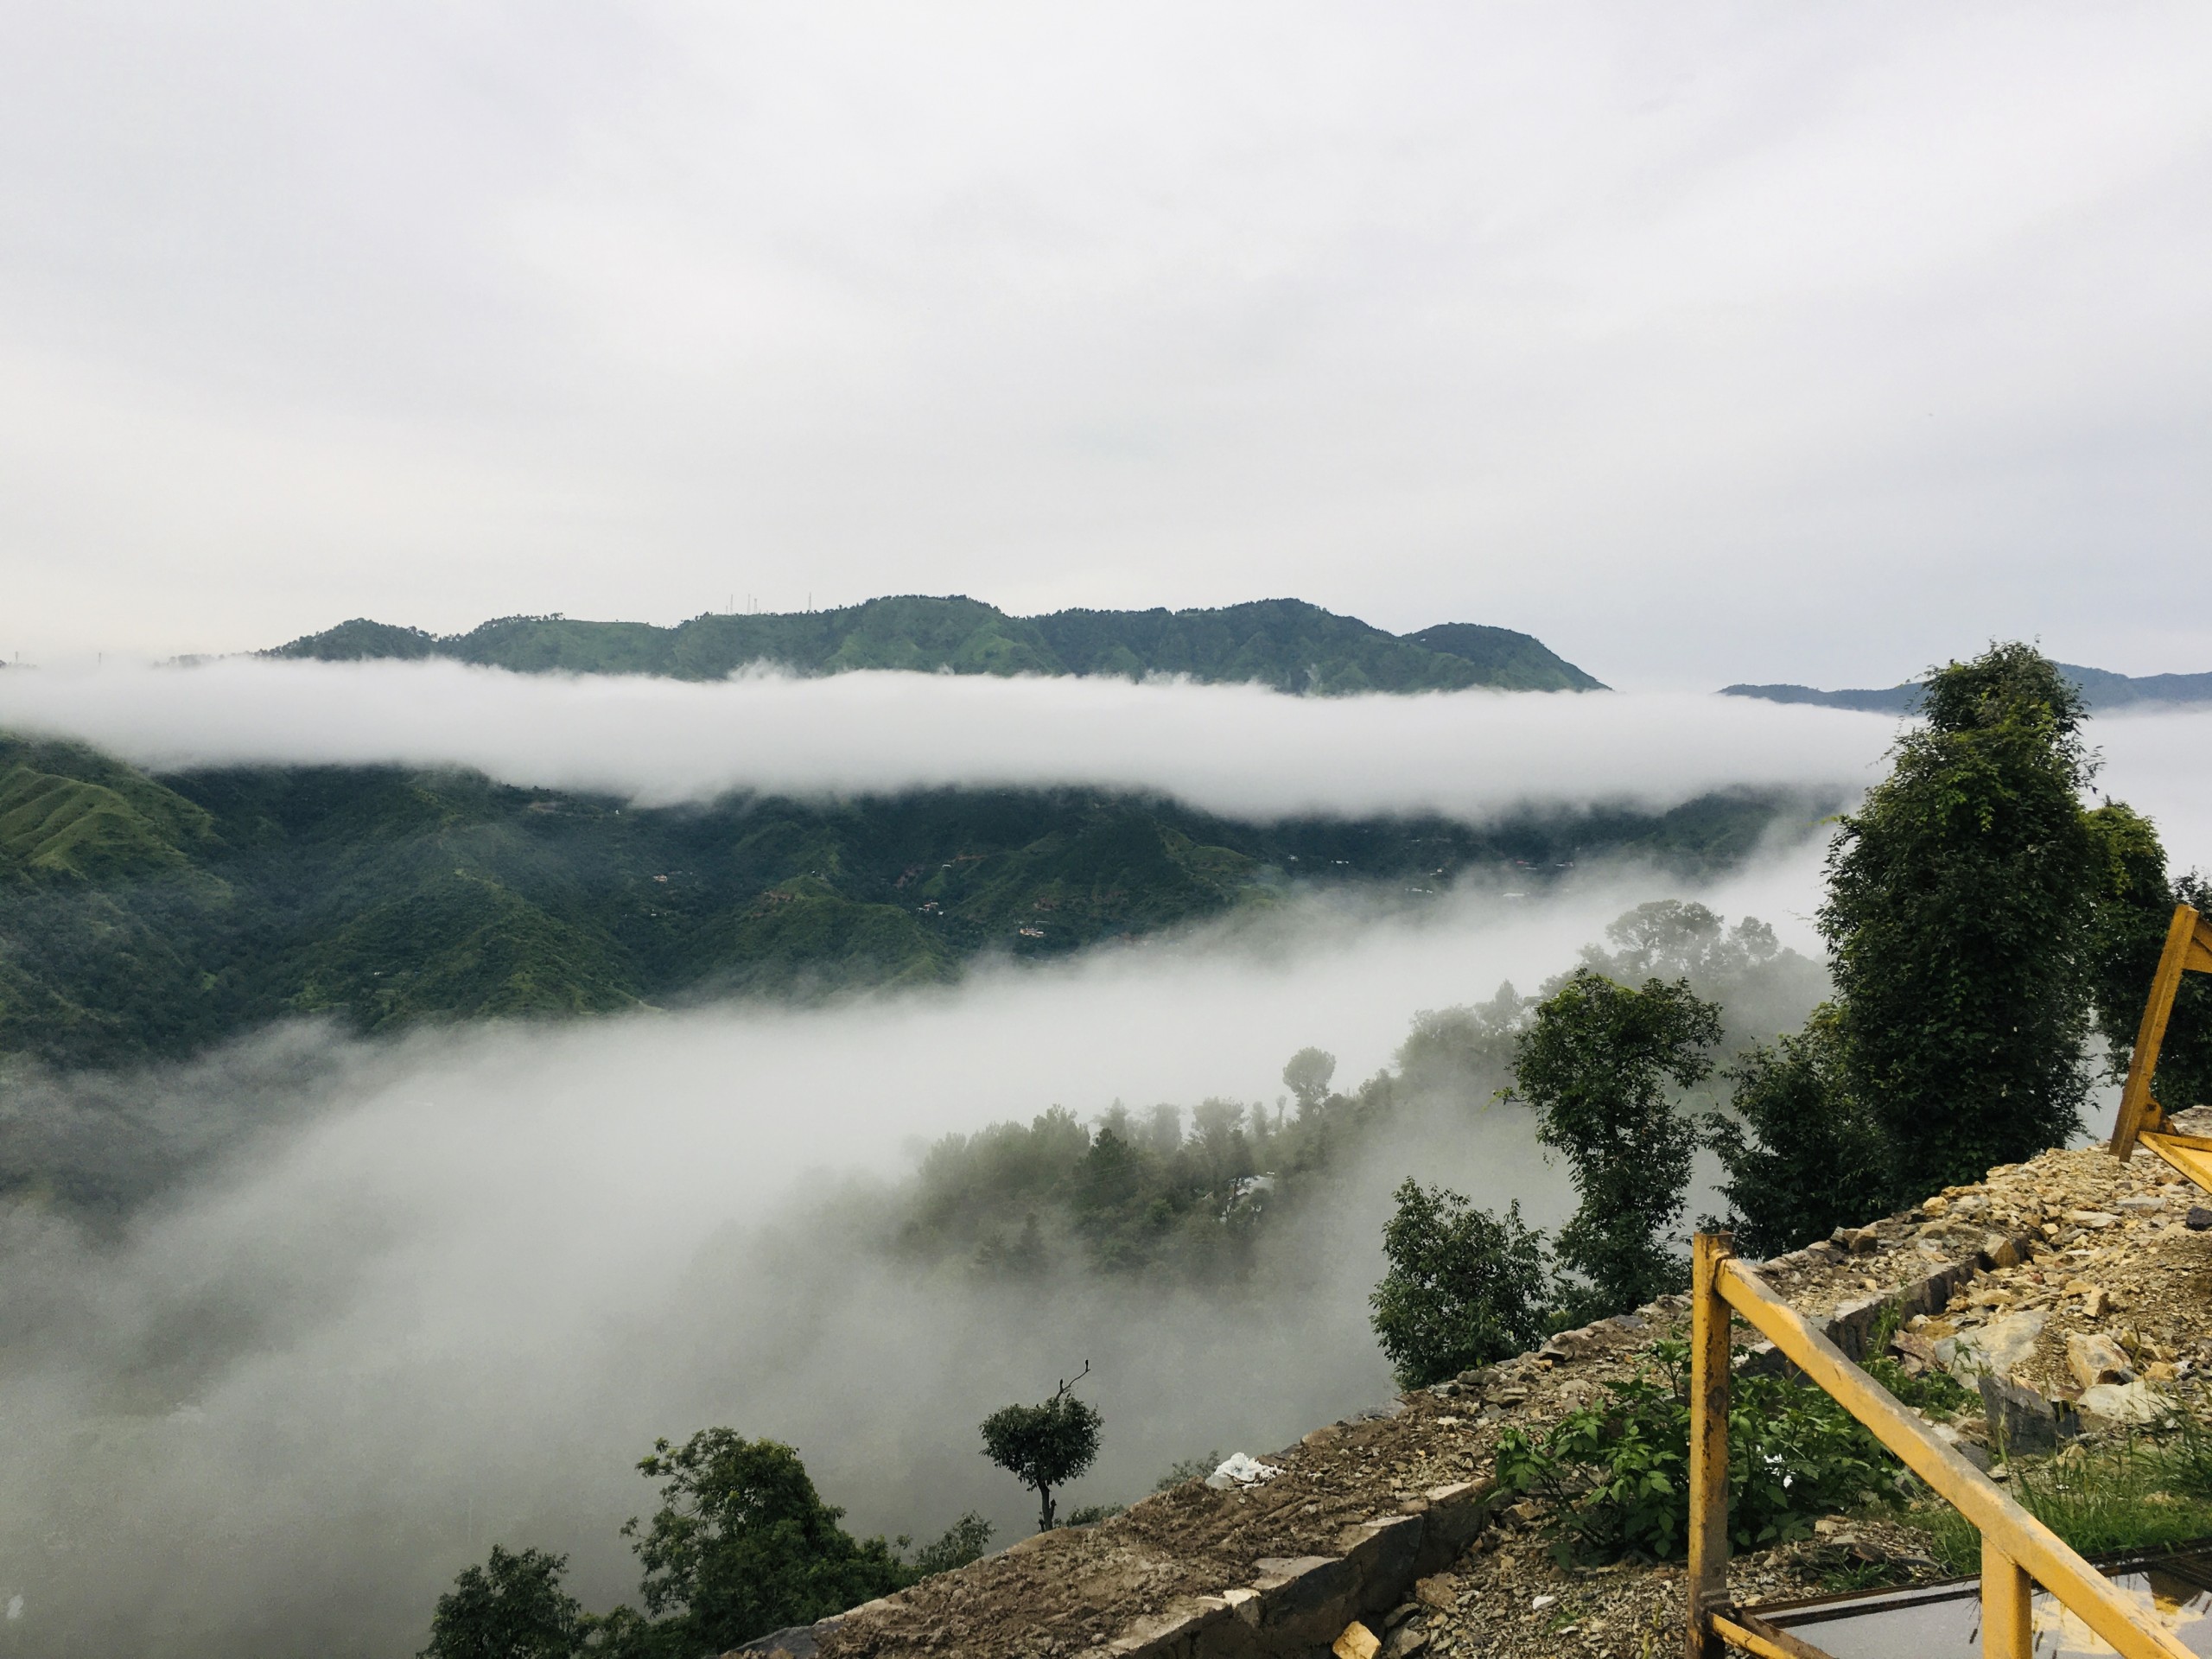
2074, 1276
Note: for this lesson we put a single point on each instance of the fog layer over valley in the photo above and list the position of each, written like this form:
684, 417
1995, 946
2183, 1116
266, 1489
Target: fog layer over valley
451, 1289
1237, 750
355, 1311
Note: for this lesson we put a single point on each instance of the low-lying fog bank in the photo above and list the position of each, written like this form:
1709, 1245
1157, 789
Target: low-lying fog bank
1236, 750
449, 1289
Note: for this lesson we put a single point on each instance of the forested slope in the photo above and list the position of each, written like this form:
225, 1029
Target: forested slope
145, 916
1282, 643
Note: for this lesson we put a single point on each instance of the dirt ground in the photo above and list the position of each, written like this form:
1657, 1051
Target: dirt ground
2105, 1255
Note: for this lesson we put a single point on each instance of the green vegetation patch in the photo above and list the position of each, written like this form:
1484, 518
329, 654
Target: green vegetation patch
1284, 644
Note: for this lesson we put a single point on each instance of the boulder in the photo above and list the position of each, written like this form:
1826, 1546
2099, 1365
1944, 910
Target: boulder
2020, 1420
1995, 1348
2125, 1402
2095, 1358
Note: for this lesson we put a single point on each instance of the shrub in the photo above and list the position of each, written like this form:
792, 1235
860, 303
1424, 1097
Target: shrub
1463, 1288
963, 1542
1184, 1468
1617, 1472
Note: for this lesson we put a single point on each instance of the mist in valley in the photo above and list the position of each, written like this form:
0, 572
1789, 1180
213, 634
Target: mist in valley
360, 1311
349, 1312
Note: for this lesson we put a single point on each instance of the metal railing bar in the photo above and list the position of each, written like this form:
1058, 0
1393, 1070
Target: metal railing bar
2016, 1546
1754, 1635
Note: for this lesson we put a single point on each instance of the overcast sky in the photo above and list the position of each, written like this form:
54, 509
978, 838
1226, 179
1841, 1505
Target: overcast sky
1705, 342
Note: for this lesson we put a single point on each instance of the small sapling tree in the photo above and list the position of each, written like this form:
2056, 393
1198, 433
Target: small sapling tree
1465, 1288
1595, 1064
1046, 1445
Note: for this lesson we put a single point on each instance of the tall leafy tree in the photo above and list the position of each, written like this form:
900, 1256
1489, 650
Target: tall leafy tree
743, 1544
1595, 1063
1465, 1288
1959, 915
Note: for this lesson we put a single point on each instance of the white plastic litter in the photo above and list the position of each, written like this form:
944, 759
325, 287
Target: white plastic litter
1240, 1471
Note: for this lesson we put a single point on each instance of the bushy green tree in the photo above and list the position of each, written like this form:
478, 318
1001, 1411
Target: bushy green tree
1465, 1051
963, 1542
511, 1607
1045, 1445
1802, 1159
1594, 1063
1465, 1288
743, 1544
2135, 903
1959, 915
1306, 1075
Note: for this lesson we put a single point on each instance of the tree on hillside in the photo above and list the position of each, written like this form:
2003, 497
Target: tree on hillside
1594, 1063
2135, 902
1465, 1288
1046, 1445
1306, 1075
1465, 1050
1803, 1158
963, 1542
512, 1607
1960, 905
743, 1544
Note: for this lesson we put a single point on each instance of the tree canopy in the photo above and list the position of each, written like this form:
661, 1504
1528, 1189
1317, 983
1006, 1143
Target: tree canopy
1959, 917
512, 1607
1594, 1063
742, 1544
1464, 1288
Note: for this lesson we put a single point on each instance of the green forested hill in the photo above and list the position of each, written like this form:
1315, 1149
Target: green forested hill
1282, 643
144, 916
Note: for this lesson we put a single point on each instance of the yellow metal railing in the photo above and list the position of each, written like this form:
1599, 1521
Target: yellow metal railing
2018, 1551
2188, 951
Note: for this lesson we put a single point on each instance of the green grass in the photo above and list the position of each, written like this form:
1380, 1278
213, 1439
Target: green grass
2140, 1493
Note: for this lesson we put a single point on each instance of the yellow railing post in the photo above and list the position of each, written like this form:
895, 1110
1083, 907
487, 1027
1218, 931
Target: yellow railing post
2008, 1626
1708, 1521
2137, 1109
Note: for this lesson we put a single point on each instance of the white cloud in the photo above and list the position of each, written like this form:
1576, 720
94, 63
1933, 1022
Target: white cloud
458, 1295
1236, 750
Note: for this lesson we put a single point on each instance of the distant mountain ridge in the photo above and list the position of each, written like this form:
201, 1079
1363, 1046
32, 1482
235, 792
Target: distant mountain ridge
2103, 688
1285, 643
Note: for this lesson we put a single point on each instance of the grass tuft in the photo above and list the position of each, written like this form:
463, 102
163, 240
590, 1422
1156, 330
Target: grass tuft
2140, 1493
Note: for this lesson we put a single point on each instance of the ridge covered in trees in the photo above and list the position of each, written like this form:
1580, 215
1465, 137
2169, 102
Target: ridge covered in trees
144, 915
2101, 689
1285, 644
